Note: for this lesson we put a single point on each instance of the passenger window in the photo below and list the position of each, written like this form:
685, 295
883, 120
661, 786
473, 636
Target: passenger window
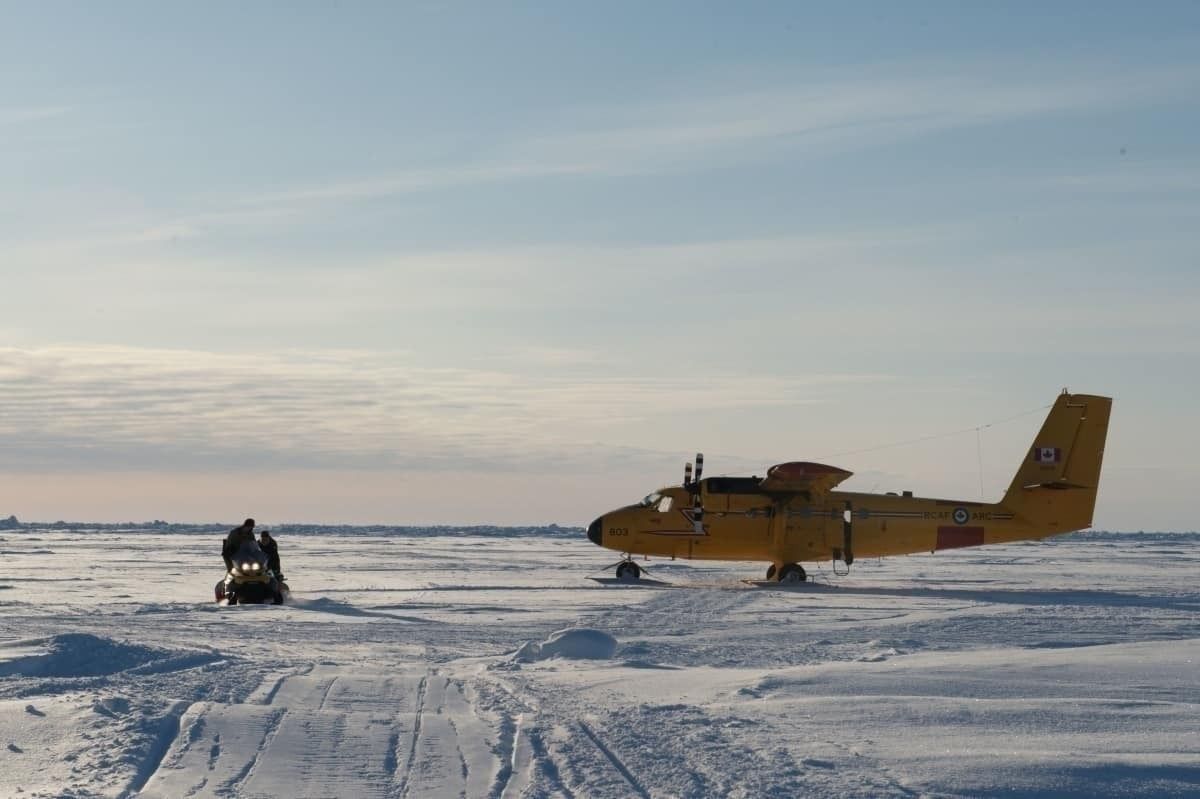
664, 504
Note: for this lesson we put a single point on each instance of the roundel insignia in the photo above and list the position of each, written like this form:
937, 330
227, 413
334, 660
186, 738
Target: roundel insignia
961, 516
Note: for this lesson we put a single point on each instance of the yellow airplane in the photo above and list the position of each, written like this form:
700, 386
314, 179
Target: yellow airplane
794, 515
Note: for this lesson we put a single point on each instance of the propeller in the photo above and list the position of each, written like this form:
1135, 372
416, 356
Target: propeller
687, 475
697, 506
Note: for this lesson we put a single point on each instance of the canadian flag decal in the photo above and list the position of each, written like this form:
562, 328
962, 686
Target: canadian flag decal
1047, 454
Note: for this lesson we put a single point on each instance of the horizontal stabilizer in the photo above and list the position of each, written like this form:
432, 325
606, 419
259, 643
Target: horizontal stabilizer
1055, 485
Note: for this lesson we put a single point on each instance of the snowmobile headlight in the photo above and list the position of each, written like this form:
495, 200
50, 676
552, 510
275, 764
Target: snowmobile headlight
245, 567
255, 566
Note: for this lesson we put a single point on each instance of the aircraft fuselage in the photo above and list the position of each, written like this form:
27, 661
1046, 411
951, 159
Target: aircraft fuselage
842, 525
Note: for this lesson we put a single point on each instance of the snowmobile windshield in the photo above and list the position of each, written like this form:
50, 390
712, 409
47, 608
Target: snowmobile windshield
250, 559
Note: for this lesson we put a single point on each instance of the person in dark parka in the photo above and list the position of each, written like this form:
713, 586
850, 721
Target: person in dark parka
233, 542
269, 545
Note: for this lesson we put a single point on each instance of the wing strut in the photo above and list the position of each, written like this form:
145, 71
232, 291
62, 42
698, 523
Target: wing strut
846, 553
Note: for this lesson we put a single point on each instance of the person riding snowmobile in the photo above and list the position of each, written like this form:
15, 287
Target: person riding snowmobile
233, 542
269, 545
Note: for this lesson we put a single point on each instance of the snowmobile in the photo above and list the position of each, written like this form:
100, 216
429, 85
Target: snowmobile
251, 580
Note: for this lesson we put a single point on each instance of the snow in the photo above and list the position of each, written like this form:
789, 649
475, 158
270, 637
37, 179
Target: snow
84, 654
430, 663
571, 644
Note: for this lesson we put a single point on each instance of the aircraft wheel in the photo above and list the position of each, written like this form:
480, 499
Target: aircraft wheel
629, 571
771, 572
792, 573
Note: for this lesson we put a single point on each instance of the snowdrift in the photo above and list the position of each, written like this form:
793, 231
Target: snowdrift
579, 643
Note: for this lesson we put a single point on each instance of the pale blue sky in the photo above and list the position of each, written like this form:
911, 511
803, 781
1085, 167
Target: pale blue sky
513, 262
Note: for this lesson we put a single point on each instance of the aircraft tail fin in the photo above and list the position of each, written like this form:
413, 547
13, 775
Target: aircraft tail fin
1055, 486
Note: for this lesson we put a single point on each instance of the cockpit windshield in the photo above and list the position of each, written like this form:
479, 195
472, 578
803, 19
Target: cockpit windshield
660, 502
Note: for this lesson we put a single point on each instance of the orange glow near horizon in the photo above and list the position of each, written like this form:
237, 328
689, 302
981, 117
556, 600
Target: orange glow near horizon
311, 497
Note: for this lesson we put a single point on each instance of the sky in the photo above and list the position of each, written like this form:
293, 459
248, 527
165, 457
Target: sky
514, 263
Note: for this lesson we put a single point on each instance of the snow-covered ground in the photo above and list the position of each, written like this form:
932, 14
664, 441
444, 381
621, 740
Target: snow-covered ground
411, 666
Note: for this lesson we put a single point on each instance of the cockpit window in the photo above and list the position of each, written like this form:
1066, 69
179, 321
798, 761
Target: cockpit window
651, 500
734, 485
664, 504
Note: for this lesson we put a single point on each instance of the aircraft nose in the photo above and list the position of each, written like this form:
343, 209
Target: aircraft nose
594, 531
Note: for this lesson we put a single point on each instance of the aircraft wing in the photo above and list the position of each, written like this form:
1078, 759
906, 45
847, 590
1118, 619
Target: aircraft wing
797, 476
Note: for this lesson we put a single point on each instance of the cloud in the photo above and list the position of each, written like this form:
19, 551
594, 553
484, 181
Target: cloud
812, 114
88, 408
514, 279
1128, 177
21, 116
551, 309
720, 121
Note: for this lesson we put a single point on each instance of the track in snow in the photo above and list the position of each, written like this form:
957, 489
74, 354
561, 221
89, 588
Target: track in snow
334, 733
